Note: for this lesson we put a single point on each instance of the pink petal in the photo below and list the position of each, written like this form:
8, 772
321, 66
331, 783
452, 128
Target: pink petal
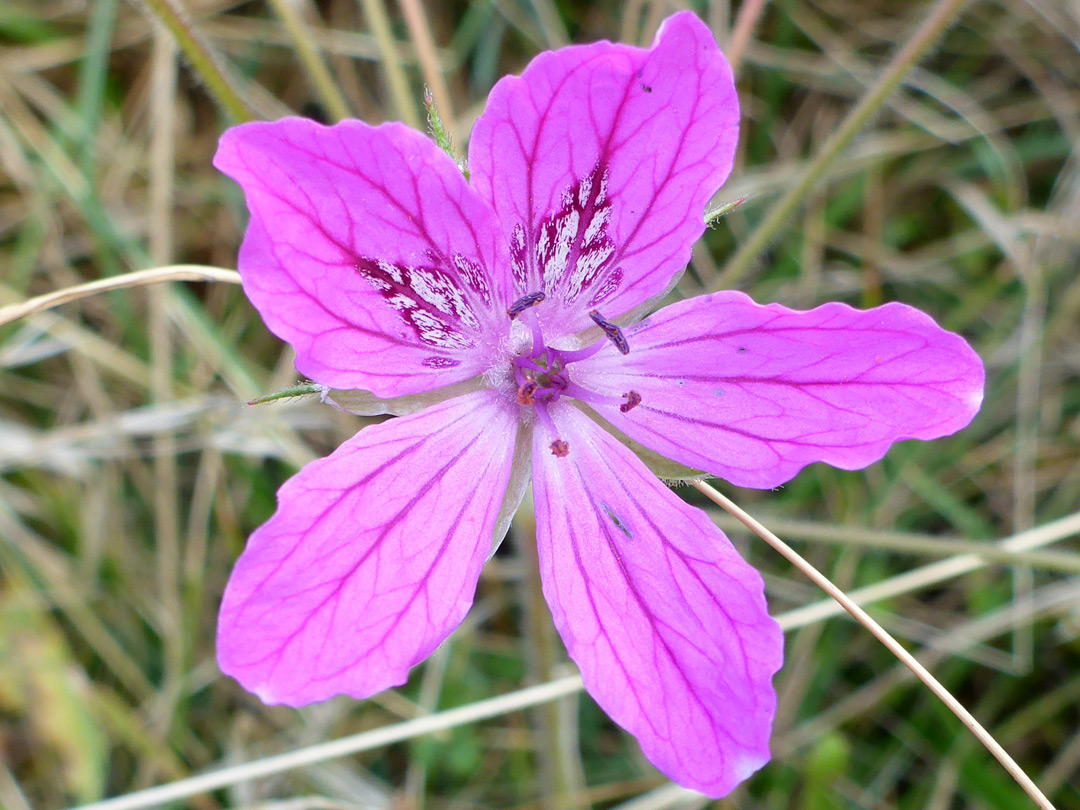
667, 623
372, 557
599, 160
754, 393
368, 252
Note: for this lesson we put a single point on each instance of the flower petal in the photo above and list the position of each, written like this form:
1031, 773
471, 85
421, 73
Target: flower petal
368, 252
372, 557
666, 621
599, 160
754, 393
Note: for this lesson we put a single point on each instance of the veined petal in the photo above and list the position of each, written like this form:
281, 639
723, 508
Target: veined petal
754, 393
666, 621
599, 160
372, 557
368, 252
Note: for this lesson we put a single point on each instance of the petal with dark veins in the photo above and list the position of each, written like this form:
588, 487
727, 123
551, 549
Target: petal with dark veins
599, 160
666, 621
368, 252
754, 393
372, 557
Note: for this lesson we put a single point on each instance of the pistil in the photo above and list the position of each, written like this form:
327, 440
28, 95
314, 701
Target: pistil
542, 372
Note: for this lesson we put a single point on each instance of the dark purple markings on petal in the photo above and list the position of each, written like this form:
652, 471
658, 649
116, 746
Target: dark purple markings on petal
633, 399
519, 258
523, 303
429, 299
607, 288
560, 448
439, 361
473, 276
611, 331
572, 247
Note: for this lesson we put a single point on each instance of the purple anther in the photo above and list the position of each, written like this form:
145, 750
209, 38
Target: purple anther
523, 303
526, 394
633, 399
613, 333
560, 448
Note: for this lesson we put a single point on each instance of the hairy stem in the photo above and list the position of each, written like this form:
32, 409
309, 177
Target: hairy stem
201, 58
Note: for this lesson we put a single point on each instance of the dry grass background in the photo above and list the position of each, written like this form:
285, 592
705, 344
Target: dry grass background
130, 471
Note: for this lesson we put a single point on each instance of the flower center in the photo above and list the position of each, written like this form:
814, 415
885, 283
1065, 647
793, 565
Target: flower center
542, 373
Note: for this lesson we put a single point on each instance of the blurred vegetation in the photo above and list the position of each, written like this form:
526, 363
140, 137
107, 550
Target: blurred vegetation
131, 473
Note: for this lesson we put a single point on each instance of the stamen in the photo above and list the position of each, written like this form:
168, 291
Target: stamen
575, 391
574, 355
525, 394
633, 399
613, 333
523, 303
520, 376
538, 347
560, 448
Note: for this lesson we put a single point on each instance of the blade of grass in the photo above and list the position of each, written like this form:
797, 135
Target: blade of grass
1064, 562
400, 94
92, 74
318, 73
941, 16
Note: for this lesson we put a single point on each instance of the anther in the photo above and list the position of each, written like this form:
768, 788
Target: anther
560, 448
613, 333
633, 399
523, 303
525, 394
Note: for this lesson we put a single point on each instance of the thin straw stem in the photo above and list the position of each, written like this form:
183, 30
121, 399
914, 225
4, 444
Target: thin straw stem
427, 56
749, 13
154, 275
166, 475
363, 741
882, 635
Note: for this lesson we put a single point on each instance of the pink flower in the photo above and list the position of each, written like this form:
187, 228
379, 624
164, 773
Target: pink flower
483, 314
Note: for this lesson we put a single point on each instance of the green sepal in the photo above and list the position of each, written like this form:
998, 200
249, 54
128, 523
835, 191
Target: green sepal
364, 403
303, 389
722, 210
438, 132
